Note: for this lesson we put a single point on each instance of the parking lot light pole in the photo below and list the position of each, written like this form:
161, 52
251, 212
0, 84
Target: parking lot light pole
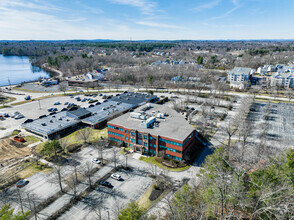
108, 215
39, 104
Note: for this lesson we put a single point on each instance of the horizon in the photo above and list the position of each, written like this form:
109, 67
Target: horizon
142, 20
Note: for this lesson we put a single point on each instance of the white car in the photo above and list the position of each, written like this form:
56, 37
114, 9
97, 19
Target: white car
15, 114
19, 116
116, 176
95, 160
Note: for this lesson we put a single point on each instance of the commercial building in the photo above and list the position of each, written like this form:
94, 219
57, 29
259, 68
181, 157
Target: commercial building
154, 130
53, 126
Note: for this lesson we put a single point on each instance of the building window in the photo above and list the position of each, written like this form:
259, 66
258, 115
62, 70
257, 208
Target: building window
150, 145
139, 135
154, 145
126, 131
115, 134
140, 142
145, 137
126, 138
133, 133
150, 138
133, 140
145, 144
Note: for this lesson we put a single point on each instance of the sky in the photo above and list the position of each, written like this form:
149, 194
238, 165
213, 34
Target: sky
146, 19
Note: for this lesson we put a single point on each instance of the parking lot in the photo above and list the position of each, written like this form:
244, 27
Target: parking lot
32, 110
280, 120
111, 200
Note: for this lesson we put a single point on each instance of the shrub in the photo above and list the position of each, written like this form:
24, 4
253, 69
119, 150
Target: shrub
159, 159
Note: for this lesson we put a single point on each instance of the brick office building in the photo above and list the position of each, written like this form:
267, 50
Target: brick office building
154, 130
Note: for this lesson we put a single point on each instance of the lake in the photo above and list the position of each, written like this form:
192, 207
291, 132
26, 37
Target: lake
18, 69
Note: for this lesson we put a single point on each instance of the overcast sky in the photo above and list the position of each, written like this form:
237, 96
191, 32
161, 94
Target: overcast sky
146, 19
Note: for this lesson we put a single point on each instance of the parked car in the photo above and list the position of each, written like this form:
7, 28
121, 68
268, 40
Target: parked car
91, 106
49, 109
116, 176
57, 103
107, 184
54, 109
19, 116
95, 160
84, 100
98, 103
6, 115
66, 103
15, 114
22, 183
100, 94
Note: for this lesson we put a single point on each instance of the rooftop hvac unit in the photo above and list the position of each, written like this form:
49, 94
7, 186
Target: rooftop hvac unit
160, 115
135, 115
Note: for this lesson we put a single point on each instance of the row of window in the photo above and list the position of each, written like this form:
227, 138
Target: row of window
170, 149
171, 142
113, 127
113, 139
173, 157
115, 134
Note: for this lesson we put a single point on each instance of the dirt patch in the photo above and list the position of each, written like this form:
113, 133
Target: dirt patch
10, 149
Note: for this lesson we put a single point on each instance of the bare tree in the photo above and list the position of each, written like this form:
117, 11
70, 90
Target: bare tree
84, 135
62, 87
64, 143
115, 151
56, 176
100, 145
87, 171
72, 184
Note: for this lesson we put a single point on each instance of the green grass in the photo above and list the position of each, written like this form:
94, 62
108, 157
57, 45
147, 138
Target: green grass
152, 160
145, 202
96, 135
272, 101
33, 169
31, 139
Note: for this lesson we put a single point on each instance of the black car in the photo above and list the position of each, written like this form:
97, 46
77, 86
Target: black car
107, 184
91, 106
97, 103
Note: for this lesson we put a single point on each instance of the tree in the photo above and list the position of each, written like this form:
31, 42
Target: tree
62, 87
200, 60
6, 213
51, 147
87, 171
56, 177
84, 135
115, 156
64, 143
132, 212
72, 183
100, 145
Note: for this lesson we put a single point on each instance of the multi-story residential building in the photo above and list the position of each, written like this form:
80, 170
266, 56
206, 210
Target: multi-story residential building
284, 77
155, 130
239, 77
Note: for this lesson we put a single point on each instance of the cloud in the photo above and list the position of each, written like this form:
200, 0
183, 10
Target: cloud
159, 25
147, 7
236, 5
27, 5
207, 5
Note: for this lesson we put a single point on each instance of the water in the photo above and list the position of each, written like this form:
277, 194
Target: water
18, 70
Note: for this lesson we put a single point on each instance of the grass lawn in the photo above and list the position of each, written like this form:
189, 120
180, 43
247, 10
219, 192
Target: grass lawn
96, 134
145, 202
153, 161
33, 169
272, 101
31, 139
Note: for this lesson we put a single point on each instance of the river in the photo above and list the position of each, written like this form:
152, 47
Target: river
18, 69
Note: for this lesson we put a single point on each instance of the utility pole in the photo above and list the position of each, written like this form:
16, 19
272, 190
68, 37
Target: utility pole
39, 104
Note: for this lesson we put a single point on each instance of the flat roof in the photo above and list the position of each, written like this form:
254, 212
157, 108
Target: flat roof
173, 126
106, 110
133, 98
53, 123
